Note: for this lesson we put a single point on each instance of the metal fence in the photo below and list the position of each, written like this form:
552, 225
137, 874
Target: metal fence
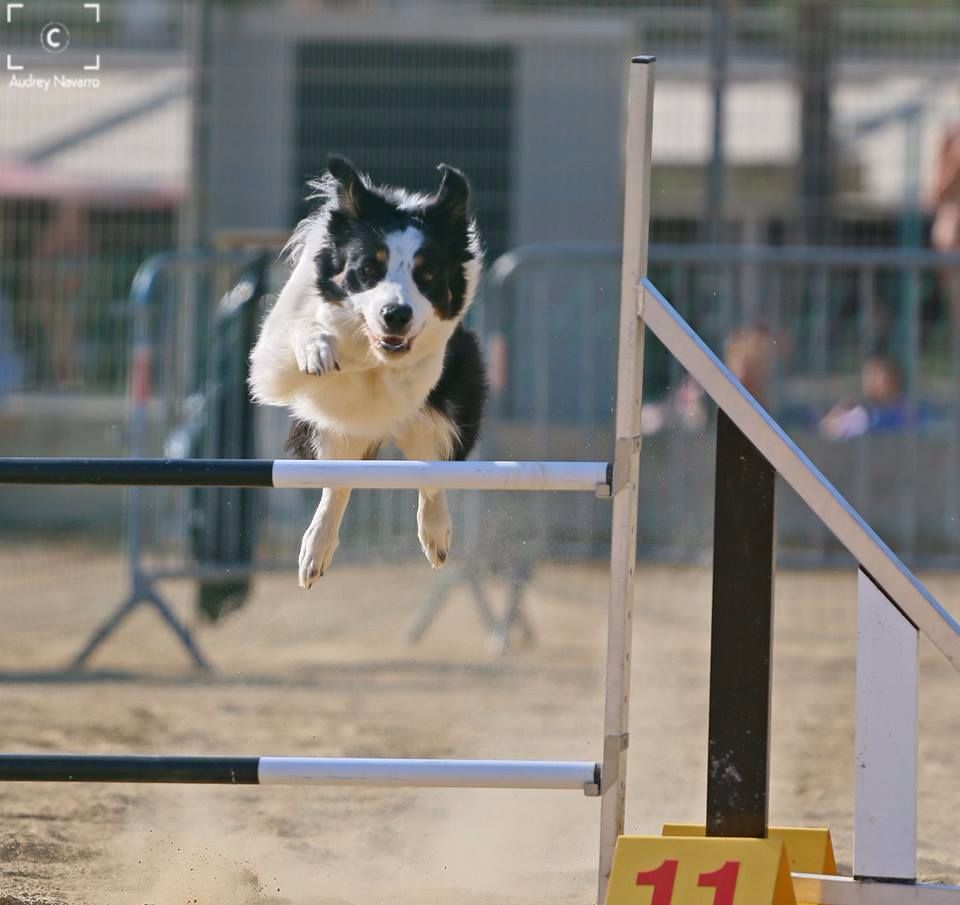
185, 140
854, 352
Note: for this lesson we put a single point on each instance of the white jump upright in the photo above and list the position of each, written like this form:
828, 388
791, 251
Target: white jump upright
626, 463
885, 786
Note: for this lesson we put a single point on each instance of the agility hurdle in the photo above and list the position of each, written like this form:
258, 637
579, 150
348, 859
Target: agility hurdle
751, 450
299, 474
581, 776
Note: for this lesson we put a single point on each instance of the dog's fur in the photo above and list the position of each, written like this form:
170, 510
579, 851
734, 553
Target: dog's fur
365, 343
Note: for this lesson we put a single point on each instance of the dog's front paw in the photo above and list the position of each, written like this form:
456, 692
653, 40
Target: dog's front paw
435, 530
317, 354
316, 554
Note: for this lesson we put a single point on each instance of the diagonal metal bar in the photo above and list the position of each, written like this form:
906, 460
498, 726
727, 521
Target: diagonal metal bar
863, 543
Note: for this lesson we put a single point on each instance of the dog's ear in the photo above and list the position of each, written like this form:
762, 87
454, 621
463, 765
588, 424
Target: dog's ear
453, 196
352, 191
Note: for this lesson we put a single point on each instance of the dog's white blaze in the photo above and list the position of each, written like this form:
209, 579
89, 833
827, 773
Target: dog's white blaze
402, 247
399, 287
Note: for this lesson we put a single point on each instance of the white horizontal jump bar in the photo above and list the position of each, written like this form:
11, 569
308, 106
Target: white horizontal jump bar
460, 774
826, 890
441, 475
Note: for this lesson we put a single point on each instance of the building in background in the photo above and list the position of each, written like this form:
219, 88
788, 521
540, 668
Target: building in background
528, 98
776, 123
115, 158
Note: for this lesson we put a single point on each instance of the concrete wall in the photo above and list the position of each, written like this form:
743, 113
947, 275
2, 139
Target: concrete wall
38, 425
249, 121
569, 139
568, 103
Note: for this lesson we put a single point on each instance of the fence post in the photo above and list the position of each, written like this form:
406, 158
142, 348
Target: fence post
885, 797
626, 467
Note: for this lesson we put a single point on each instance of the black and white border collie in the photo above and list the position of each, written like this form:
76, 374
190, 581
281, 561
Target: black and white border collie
365, 343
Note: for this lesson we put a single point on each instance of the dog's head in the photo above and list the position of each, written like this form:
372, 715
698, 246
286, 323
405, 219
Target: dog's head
405, 264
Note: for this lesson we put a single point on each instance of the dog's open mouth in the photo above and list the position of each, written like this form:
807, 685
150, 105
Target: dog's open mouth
394, 344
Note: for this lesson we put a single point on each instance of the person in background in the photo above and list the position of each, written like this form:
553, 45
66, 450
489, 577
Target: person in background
11, 363
748, 353
684, 408
59, 269
883, 406
945, 232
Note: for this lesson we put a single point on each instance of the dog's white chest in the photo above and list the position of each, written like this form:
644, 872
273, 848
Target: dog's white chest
371, 404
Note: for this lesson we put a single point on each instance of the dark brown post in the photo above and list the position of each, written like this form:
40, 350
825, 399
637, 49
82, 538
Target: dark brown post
743, 551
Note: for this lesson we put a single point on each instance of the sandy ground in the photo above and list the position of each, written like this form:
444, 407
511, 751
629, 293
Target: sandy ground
329, 672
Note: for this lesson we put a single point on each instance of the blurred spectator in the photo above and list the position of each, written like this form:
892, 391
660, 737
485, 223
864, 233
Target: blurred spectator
11, 364
685, 408
748, 353
883, 406
945, 233
59, 269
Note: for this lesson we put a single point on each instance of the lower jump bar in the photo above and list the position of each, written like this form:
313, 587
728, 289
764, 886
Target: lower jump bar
324, 771
292, 473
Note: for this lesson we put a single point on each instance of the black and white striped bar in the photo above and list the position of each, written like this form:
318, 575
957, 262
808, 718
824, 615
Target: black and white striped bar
583, 776
294, 473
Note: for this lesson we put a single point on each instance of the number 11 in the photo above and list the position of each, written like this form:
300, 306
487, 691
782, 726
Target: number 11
664, 878
724, 881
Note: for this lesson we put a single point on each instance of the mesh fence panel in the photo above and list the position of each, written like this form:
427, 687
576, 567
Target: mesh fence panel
176, 123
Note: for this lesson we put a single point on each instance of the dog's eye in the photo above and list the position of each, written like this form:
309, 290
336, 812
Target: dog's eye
426, 276
368, 271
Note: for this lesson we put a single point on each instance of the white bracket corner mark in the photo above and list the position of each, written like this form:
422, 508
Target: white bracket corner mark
96, 13
11, 66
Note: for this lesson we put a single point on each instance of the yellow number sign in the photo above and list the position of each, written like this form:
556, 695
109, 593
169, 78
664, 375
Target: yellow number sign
809, 850
689, 870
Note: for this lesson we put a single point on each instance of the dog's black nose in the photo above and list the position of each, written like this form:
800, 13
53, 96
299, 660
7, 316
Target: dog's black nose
396, 318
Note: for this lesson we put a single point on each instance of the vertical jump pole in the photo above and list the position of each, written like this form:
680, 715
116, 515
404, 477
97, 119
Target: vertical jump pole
626, 464
885, 741
738, 752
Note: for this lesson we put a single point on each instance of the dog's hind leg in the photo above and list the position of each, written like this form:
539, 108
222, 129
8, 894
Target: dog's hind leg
323, 535
431, 437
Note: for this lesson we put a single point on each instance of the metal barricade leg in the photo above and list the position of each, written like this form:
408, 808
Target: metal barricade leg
472, 575
141, 594
106, 629
239, 304
514, 616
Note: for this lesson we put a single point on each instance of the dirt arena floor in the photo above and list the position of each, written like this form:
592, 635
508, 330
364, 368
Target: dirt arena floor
329, 673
